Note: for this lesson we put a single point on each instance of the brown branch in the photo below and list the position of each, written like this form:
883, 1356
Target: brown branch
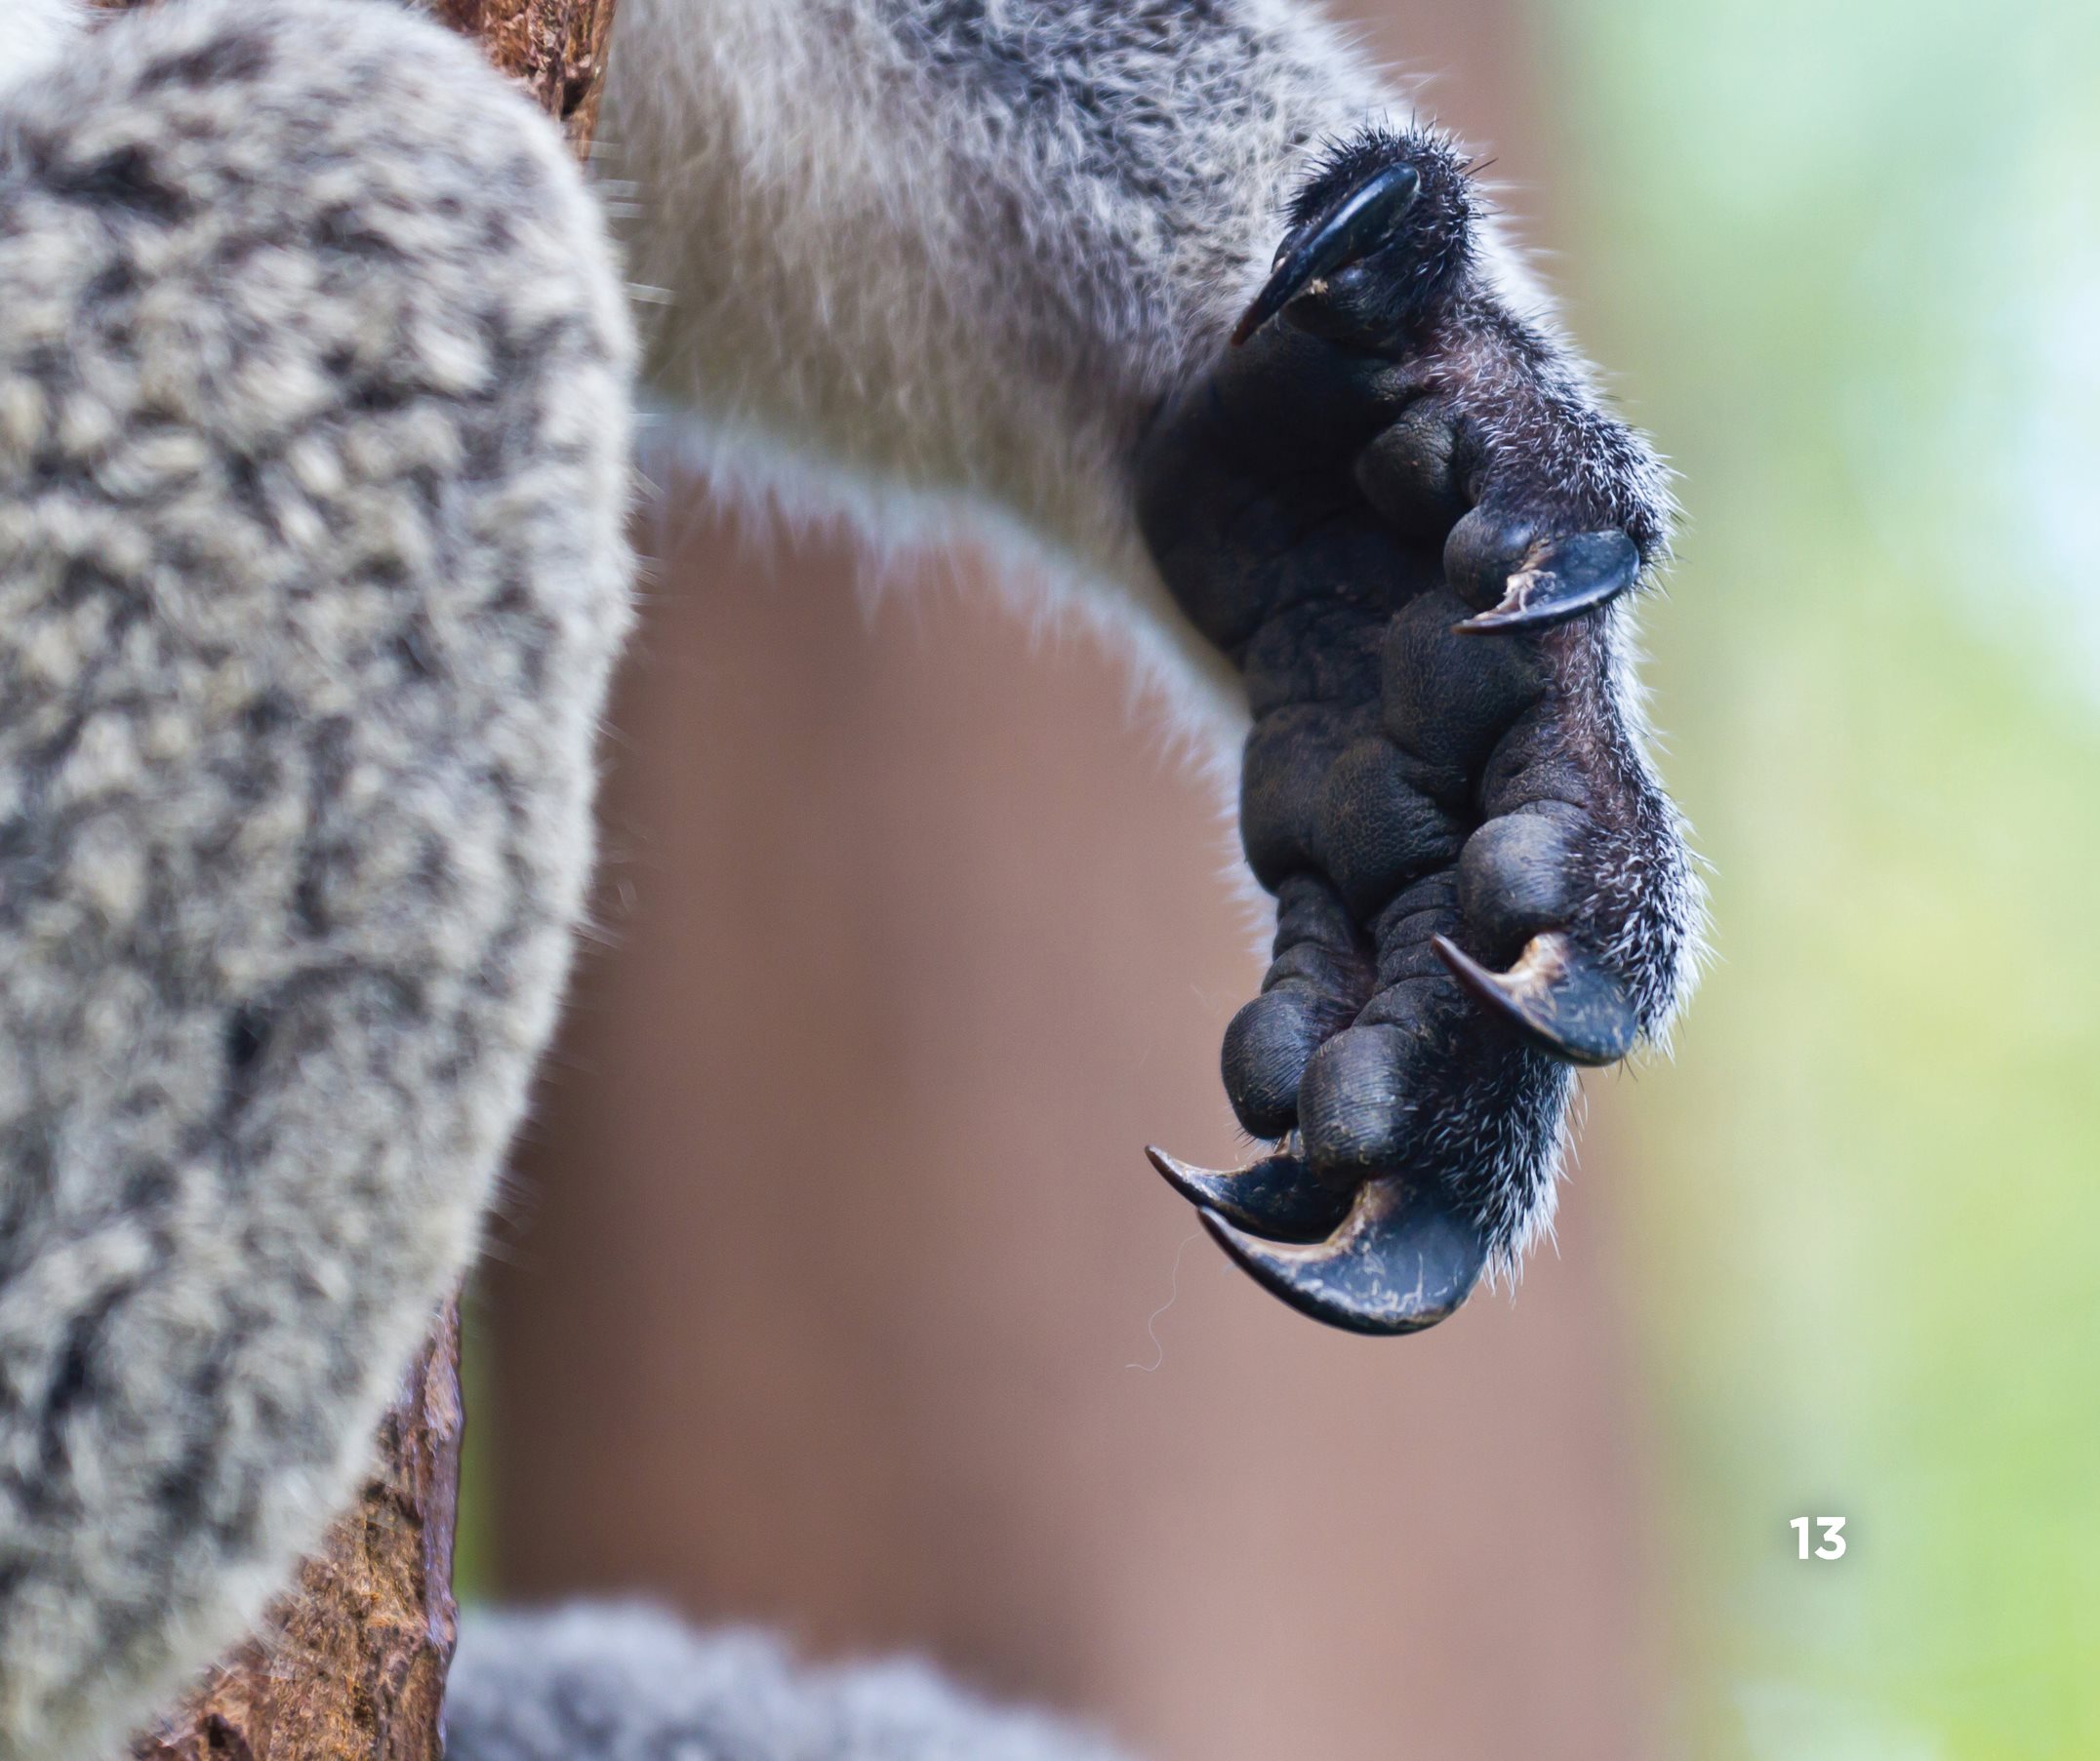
353, 1663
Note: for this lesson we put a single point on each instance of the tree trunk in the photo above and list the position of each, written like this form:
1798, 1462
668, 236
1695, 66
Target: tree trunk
354, 1663
556, 47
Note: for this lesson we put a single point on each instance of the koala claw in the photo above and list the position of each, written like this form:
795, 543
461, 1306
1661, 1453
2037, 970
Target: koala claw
1275, 1197
1357, 223
1402, 1261
1556, 993
1560, 578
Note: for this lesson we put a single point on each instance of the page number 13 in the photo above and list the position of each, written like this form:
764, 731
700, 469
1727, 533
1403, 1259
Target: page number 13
1833, 1528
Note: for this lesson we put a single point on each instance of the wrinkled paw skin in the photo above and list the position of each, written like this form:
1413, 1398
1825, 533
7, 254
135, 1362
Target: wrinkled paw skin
1401, 512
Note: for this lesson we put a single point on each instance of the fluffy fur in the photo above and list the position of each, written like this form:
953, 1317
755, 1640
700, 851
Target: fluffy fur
37, 32
312, 466
630, 1683
961, 247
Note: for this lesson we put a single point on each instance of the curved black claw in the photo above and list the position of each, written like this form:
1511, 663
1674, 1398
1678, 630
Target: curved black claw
1356, 225
1276, 1198
1556, 993
1400, 1263
1560, 578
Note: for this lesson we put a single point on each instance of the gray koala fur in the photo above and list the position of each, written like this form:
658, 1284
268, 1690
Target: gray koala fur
630, 1683
925, 256
313, 461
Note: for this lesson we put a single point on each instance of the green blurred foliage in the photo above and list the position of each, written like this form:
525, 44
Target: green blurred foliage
1846, 258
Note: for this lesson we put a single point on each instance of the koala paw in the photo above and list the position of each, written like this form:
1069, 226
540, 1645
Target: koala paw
1398, 507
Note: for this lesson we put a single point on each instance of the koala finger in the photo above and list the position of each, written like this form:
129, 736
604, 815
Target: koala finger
1561, 996
1574, 881
1275, 1197
1346, 228
1552, 580
1520, 880
1414, 471
1402, 1260
1438, 1118
1316, 983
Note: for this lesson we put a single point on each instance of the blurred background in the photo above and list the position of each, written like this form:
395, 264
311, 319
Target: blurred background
835, 1292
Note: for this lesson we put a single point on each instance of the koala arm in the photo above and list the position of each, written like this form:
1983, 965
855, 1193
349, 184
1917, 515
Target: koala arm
992, 253
313, 469
957, 251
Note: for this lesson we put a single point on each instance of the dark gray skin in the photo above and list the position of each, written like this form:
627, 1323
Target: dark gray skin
1403, 514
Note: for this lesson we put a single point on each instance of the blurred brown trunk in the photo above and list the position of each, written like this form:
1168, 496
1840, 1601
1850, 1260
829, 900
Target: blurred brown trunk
354, 1663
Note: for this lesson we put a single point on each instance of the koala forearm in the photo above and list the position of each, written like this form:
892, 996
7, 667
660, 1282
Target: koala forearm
961, 247
995, 251
312, 468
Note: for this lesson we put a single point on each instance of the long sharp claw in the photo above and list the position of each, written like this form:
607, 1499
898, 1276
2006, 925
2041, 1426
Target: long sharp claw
1558, 994
1561, 579
1354, 227
1402, 1261
1276, 1198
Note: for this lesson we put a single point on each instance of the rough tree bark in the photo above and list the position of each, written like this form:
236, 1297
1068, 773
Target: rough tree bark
352, 1665
355, 1659
556, 47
